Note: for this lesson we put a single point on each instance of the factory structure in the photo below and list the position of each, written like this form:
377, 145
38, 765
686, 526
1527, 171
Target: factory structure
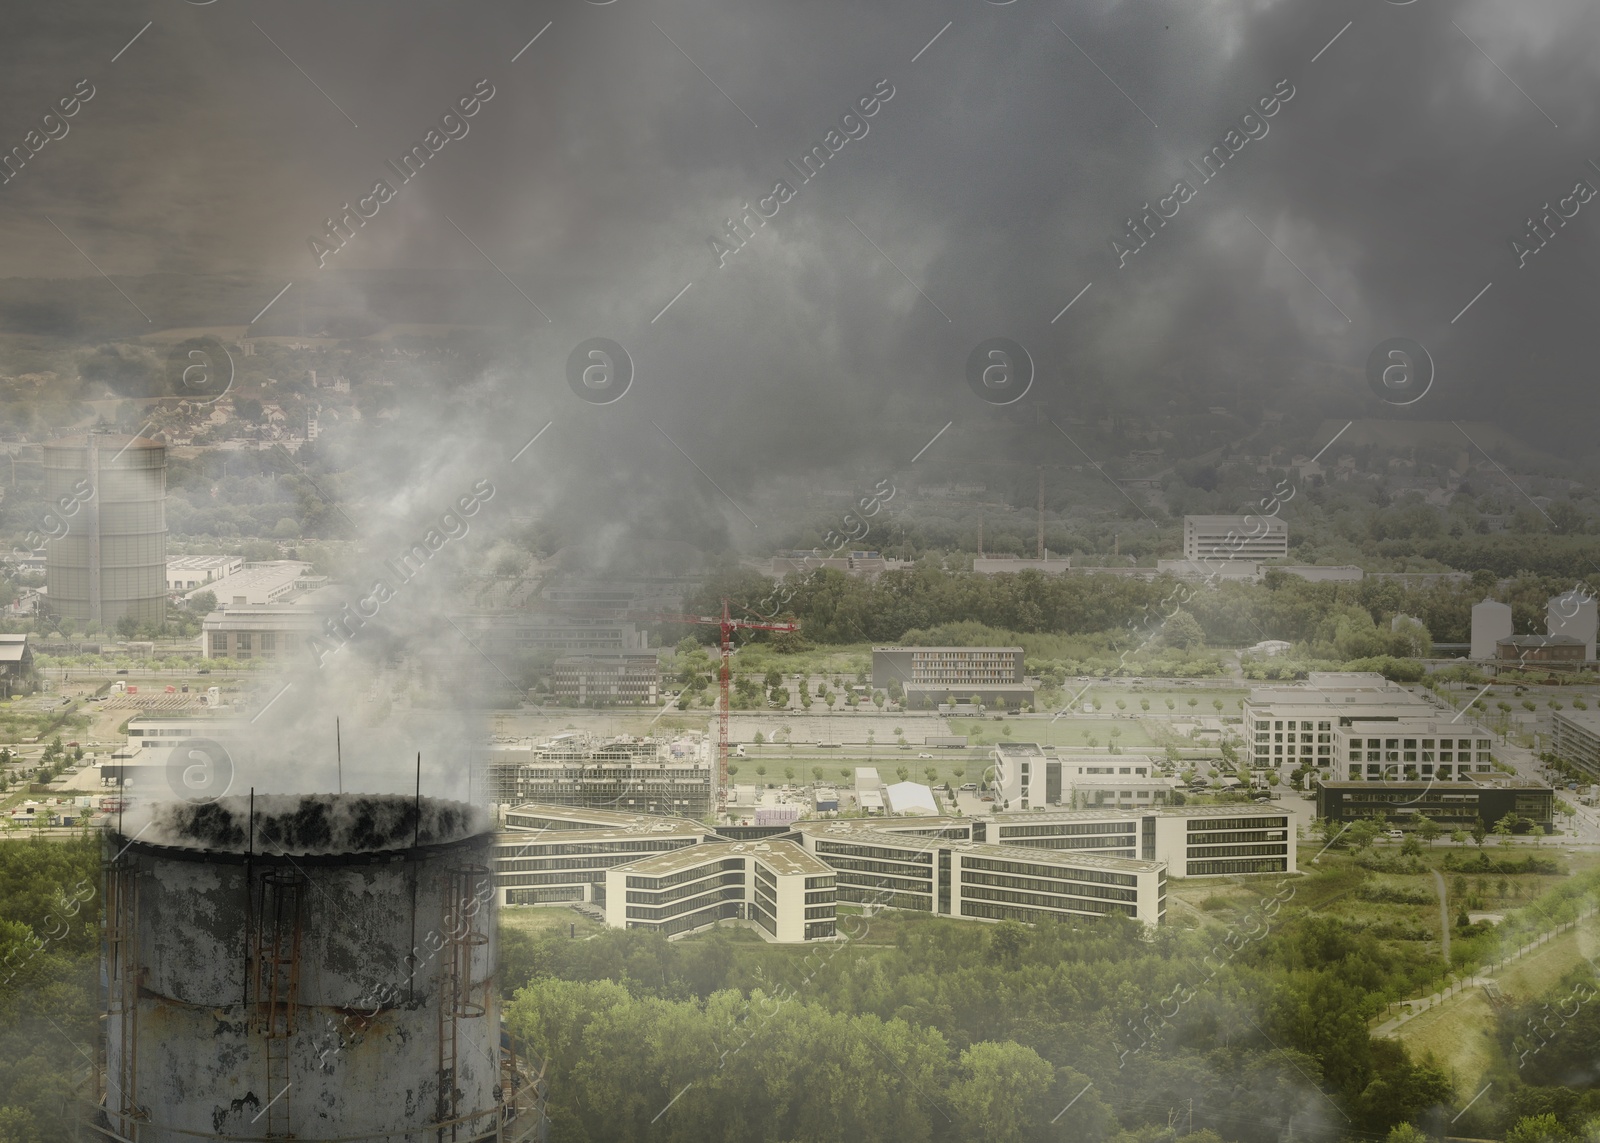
673, 875
107, 556
1571, 626
263, 976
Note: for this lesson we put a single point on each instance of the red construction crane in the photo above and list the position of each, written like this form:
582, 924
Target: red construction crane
729, 625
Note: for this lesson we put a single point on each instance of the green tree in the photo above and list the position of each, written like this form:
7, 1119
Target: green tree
1001, 1094
1544, 1128
1430, 831
1183, 631
1479, 833
816, 773
788, 773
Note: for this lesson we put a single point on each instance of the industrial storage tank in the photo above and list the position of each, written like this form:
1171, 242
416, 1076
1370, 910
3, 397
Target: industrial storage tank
306, 967
107, 523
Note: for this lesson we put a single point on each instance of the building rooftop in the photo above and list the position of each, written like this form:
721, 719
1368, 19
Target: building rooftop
564, 818
1018, 650
1496, 780
782, 857
257, 584
1040, 817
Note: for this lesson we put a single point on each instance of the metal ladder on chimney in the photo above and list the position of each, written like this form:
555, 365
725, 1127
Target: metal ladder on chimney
460, 996
122, 990
277, 965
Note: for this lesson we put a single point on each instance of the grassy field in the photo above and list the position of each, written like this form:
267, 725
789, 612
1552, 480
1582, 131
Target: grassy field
540, 920
1459, 1034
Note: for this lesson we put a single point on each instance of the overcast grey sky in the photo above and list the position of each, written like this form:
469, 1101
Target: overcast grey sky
984, 197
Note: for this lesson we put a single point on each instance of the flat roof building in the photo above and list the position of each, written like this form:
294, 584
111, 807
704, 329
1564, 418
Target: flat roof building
932, 673
1029, 776
636, 775
616, 679
1254, 538
786, 893
1410, 748
1453, 805
1192, 841
1575, 739
1289, 726
959, 878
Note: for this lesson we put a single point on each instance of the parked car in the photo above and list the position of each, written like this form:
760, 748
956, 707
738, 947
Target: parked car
924, 755
969, 786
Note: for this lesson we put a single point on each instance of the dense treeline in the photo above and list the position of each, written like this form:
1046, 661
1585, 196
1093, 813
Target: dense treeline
49, 917
1341, 620
887, 1042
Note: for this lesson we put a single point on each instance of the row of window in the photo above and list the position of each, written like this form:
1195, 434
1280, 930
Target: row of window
1063, 830
920, 857
1032, 883
1051, 905
690, 920
1200, 851
1246, 865
1247, 835
679, 892
1262, 724
1056, 873
661, 913
871, 895
694, 873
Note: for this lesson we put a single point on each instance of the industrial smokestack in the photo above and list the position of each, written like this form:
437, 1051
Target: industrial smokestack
262, 979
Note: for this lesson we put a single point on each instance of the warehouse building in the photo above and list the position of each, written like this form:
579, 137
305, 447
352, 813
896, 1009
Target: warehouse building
1575, 739
188, 573
1541, 649
1454, 805
784, 891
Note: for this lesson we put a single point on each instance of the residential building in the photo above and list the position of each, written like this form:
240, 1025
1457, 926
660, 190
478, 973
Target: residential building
619, 679
1255, 538
1575, 739
1454, 805
787, 893
627, 774
932, 675
186, 573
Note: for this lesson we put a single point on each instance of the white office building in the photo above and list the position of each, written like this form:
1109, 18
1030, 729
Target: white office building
1290, 726
1251, 538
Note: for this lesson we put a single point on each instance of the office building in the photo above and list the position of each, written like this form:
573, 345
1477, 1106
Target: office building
786, 893
1491, 622
109, 564
187, 573
953, 877
1453, 805
1252, 538
619, 679
1192, 841
1292, 726
1028, 776
1574, 614
934, 675
1575, 739
263, 630
1408, 749
557, 855
627, 774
